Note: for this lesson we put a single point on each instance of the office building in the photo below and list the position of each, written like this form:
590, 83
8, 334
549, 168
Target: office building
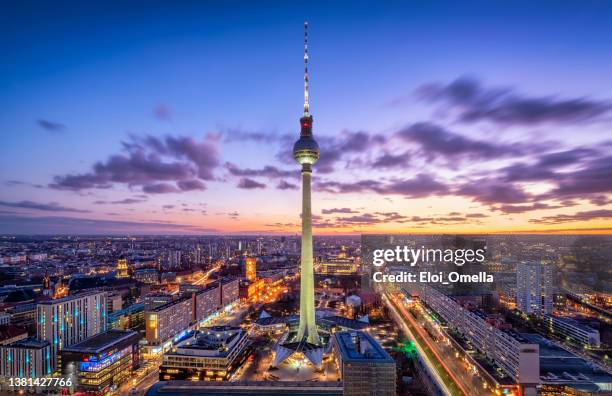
26, 358
147, 275
152, 301
534, 288
164, 322
128, 318
339, 266
101, 363
211, 354
230, 291
572, 331
114, 302
207, 302
70, 320
365, 367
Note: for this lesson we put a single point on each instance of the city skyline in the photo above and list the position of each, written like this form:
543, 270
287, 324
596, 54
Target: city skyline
458, 118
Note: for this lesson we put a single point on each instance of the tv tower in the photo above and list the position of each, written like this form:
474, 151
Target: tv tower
306, 153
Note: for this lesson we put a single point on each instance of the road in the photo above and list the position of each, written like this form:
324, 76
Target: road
449, 370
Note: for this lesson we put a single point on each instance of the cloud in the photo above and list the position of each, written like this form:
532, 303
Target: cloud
547, 165
526, 208
284, 185
159, 188
147, 161
595, 177
364, 219
579, 216
249, 184
190, 185
51, 126
391, 161
600, 200
126, 201
392, 216
50, 207
19, 225
422, 185
472, 102
338, 210
239, 135
267, 171
435, 140
162, 112
493, 192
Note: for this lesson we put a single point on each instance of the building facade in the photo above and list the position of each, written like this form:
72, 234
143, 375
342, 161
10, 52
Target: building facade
534, 288
573, 332
211, 354
26, 358
70, 320
101, 363
365, 367
164, 322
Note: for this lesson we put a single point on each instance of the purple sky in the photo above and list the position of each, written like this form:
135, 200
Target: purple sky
179, 117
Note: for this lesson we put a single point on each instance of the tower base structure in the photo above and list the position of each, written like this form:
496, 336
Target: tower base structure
289, 346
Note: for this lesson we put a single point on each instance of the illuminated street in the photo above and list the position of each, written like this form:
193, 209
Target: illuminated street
452, 372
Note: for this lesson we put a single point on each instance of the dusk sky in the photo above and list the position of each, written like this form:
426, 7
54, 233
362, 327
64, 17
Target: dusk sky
179, 117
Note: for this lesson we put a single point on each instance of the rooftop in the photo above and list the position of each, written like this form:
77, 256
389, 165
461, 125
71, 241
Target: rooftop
559, 366
29, 343
357, 346
216, 341
70, 298
343, 322
238, 388
103, 341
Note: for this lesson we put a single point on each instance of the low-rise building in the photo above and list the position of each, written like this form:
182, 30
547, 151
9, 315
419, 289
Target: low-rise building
573, 331
10, 334
101, 363
211, 354
26, 358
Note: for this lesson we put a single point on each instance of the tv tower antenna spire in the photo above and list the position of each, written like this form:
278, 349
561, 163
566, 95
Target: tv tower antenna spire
306, 112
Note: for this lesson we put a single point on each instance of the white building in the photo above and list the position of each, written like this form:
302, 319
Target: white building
517, 357
165, 322
534, 288
573, 331
69, 320
27, 358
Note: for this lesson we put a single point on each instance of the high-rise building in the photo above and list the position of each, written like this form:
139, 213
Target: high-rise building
306, 153
69, 320
250, 269
534, 288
